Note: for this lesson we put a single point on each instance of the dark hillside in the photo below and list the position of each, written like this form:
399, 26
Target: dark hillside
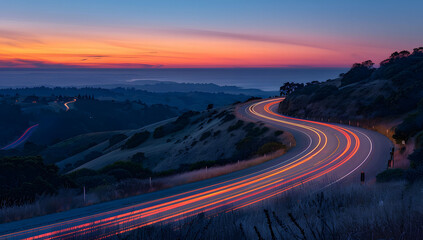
393, 89
388, 99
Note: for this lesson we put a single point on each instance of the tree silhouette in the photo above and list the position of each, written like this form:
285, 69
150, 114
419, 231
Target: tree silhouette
289, 87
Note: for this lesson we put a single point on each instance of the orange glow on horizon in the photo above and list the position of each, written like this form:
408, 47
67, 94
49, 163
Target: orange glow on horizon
155, 50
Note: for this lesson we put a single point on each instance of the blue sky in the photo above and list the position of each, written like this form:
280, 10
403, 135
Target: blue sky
363, 29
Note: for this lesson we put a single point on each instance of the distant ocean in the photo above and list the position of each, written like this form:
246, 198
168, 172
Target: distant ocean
267, 79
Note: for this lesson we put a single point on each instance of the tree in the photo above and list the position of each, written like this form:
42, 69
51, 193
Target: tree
289, 87
210, 106
418, 50
358, 72
23, 178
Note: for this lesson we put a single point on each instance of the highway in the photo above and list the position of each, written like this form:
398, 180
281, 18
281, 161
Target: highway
324, 155
21, 139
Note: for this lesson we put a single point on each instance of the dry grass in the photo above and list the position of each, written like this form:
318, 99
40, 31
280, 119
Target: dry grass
211, 172
69, 199
381, 211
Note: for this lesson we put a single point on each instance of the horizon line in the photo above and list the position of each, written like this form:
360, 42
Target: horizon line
166, 68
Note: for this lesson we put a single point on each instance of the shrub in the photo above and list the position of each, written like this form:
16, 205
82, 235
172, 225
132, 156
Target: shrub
278, 133
135, 169
323, 92
390, 175
359, 72
416, 158
205, 135
136, 140
138, 157
269, 148
411, 125
159, 132
228, 117
90, 156
215, 134
119, 174
180, 123
23, 178
236, 126
117, 138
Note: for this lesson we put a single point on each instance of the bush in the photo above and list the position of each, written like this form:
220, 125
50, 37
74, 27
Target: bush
359, 72
23, 178
416, 158
236, 126
180, 123
205, 135
159, 132
390, 175
119, 174
278, 133
228, 117
136, 170
269, 148
411, 125
215, 134
136, 140
323, 92
138, 157
92, 155
117, 138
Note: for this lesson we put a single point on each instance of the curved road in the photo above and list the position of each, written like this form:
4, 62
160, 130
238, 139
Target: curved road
66, 104
325, 154
22, 138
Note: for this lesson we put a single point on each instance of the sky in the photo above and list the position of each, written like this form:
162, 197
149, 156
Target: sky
205, 34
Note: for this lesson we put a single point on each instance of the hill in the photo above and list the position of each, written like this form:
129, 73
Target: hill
85, 115
388, 99
171, 94
191, 141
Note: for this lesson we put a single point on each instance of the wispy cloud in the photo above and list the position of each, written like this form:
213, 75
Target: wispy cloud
13, 38
247, 37
25, 63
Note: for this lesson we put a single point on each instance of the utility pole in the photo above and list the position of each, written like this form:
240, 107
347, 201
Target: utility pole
84, 194
150, 183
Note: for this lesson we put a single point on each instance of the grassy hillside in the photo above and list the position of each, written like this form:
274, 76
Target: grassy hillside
86, 115
117, 164
191, 141
393, 89
388, 99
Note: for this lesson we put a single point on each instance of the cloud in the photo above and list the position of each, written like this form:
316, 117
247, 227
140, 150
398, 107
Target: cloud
96, 56
25, 63
14, 37
248, 37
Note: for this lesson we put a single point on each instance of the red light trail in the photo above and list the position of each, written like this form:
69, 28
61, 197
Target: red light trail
325, 149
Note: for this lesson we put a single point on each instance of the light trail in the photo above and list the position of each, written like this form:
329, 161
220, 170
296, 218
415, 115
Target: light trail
328, 149
66, 104
22, 138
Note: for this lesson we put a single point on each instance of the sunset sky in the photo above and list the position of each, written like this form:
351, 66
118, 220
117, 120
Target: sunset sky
171, 34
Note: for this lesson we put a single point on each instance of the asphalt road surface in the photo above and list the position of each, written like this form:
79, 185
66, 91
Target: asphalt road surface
324, 155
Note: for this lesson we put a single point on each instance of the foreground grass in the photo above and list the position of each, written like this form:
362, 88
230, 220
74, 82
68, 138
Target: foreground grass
71, 198
380, 211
